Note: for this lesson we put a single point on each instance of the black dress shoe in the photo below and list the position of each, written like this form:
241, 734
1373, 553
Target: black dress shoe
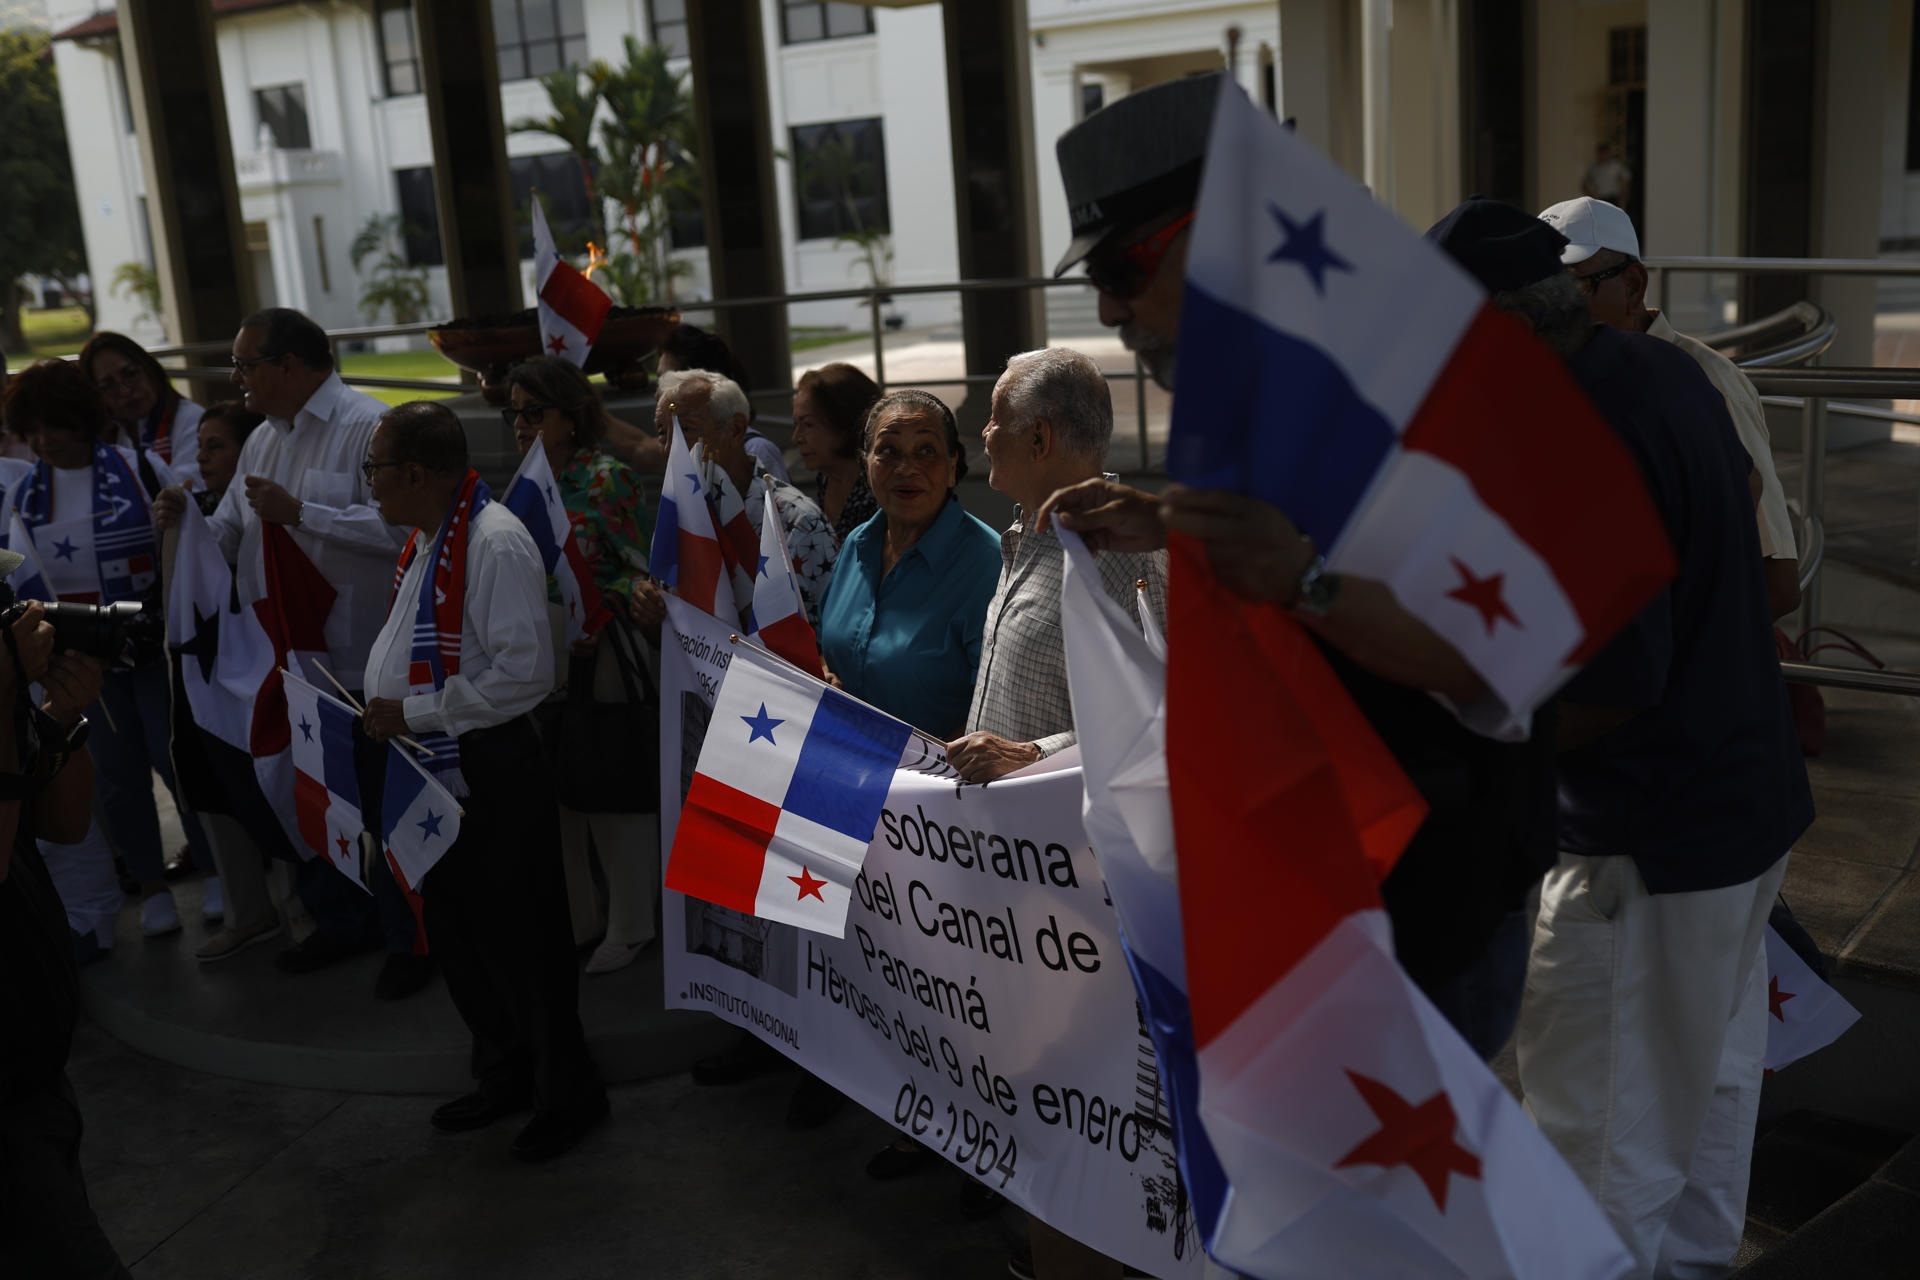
894, 1161
814, 1102
553, 1133
402, 975
317, 951
748, 1058
478, 1110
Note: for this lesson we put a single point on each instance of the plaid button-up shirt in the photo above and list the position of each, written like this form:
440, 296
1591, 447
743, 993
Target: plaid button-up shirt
1021, 691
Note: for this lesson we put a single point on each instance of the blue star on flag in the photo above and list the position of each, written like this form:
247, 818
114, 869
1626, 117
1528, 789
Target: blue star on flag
430, 824
1306, 244
64, 549
306, 728
762, 725
693, 484
762, 570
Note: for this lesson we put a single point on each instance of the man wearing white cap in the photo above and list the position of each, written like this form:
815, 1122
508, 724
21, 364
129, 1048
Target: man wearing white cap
1603, 257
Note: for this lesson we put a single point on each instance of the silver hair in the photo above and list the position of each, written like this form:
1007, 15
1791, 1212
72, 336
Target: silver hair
1067, 389
1554, 308
726, 399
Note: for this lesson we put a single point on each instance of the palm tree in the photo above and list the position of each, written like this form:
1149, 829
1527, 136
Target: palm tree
574, 95
646, 147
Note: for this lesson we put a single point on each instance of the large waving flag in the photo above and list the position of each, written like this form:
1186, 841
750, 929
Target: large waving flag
326, 790
1329, 1121
226, 657
534, 496
1803, 1013
1343, 369
419, 818
779, 618
292, 611
786, 795
686, 547
572, 307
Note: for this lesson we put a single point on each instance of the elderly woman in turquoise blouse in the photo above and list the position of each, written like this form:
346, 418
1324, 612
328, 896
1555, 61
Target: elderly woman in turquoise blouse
553, 407
902, 621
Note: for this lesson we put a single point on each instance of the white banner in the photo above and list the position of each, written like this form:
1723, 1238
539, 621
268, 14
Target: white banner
979, 1000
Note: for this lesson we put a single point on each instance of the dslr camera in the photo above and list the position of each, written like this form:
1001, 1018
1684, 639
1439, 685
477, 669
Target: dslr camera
116, 633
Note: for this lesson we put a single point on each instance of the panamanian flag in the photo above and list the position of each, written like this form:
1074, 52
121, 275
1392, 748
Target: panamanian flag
419, 818
1804, 1014
29, 581
326, 790
786, 795
227, 660
534, 496
779, 620
686, 551
740, 546
572, 308
1343, 369
67, 557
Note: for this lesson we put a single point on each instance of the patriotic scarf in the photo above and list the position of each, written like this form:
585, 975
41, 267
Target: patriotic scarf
437, 620
156, 432
124, 550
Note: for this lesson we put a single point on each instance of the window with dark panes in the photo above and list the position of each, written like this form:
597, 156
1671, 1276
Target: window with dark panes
670, 27
556, 176
805, 20
419, 217
283, 110
398, 50
534, 37
840, 178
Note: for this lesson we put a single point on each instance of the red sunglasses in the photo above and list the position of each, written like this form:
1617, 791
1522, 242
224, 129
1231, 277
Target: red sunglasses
1126, 273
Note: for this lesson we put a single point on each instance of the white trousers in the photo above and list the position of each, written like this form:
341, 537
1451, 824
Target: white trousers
1642, 1031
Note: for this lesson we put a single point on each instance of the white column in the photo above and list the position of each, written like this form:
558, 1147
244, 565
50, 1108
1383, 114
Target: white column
1376, 89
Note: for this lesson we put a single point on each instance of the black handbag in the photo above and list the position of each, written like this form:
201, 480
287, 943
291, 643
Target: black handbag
605, 756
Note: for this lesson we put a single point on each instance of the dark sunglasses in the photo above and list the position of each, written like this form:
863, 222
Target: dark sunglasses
531, 412
1587, 284
1126, 273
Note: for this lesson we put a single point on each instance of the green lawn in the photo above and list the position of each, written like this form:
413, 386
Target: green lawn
59, 332
403, 364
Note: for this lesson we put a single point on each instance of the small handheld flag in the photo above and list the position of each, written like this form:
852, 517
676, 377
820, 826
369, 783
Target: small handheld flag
534, 496
686, 547
779, 618
572, 307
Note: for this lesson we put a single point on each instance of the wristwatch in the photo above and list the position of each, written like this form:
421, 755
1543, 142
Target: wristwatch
1317, 589
58, 745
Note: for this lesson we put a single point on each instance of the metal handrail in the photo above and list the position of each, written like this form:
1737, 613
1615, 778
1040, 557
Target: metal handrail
1813, 549
1852, 678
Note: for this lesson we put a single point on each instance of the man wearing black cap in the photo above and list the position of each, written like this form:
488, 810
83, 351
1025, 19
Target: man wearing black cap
1681, 789
1132, 174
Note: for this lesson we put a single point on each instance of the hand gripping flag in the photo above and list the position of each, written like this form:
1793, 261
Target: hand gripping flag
686, 548
326, 790
572, 307
534, 496
1329, 1121
419, 818
1338, 366
778, 616
785, 798
1804, 1014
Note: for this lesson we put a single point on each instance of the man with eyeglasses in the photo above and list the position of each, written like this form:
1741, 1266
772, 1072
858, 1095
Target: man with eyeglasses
1132, 175
302, 470
1603, 257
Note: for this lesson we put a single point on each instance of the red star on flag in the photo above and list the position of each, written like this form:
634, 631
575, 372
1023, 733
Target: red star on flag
809, 887
1483, 594
1776, 997
1420, 1137
556, 344
341, 840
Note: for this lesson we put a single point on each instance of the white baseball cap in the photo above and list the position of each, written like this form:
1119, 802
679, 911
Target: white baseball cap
1591, 225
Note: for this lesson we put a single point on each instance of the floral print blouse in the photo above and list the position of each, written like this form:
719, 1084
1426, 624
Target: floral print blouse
859, 507
603, 501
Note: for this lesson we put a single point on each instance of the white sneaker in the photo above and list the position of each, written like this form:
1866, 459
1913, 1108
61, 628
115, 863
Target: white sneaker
158, 915
213, 902
609, 957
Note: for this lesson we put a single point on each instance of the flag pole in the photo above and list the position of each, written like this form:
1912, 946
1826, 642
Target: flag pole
762, 649
334, 681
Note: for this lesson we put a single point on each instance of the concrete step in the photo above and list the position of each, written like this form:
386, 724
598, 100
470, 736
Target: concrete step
1869, 1232
243, 1019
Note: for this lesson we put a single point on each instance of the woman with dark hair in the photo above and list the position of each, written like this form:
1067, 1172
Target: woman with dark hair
87, 508
903, 616
830, 406
147, 412
223, 429
556, 409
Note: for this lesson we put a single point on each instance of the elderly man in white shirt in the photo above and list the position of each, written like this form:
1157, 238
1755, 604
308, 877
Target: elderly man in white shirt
301, 469
474, 585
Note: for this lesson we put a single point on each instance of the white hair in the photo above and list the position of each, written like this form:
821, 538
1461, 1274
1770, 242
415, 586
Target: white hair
1067, 389
726, 399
